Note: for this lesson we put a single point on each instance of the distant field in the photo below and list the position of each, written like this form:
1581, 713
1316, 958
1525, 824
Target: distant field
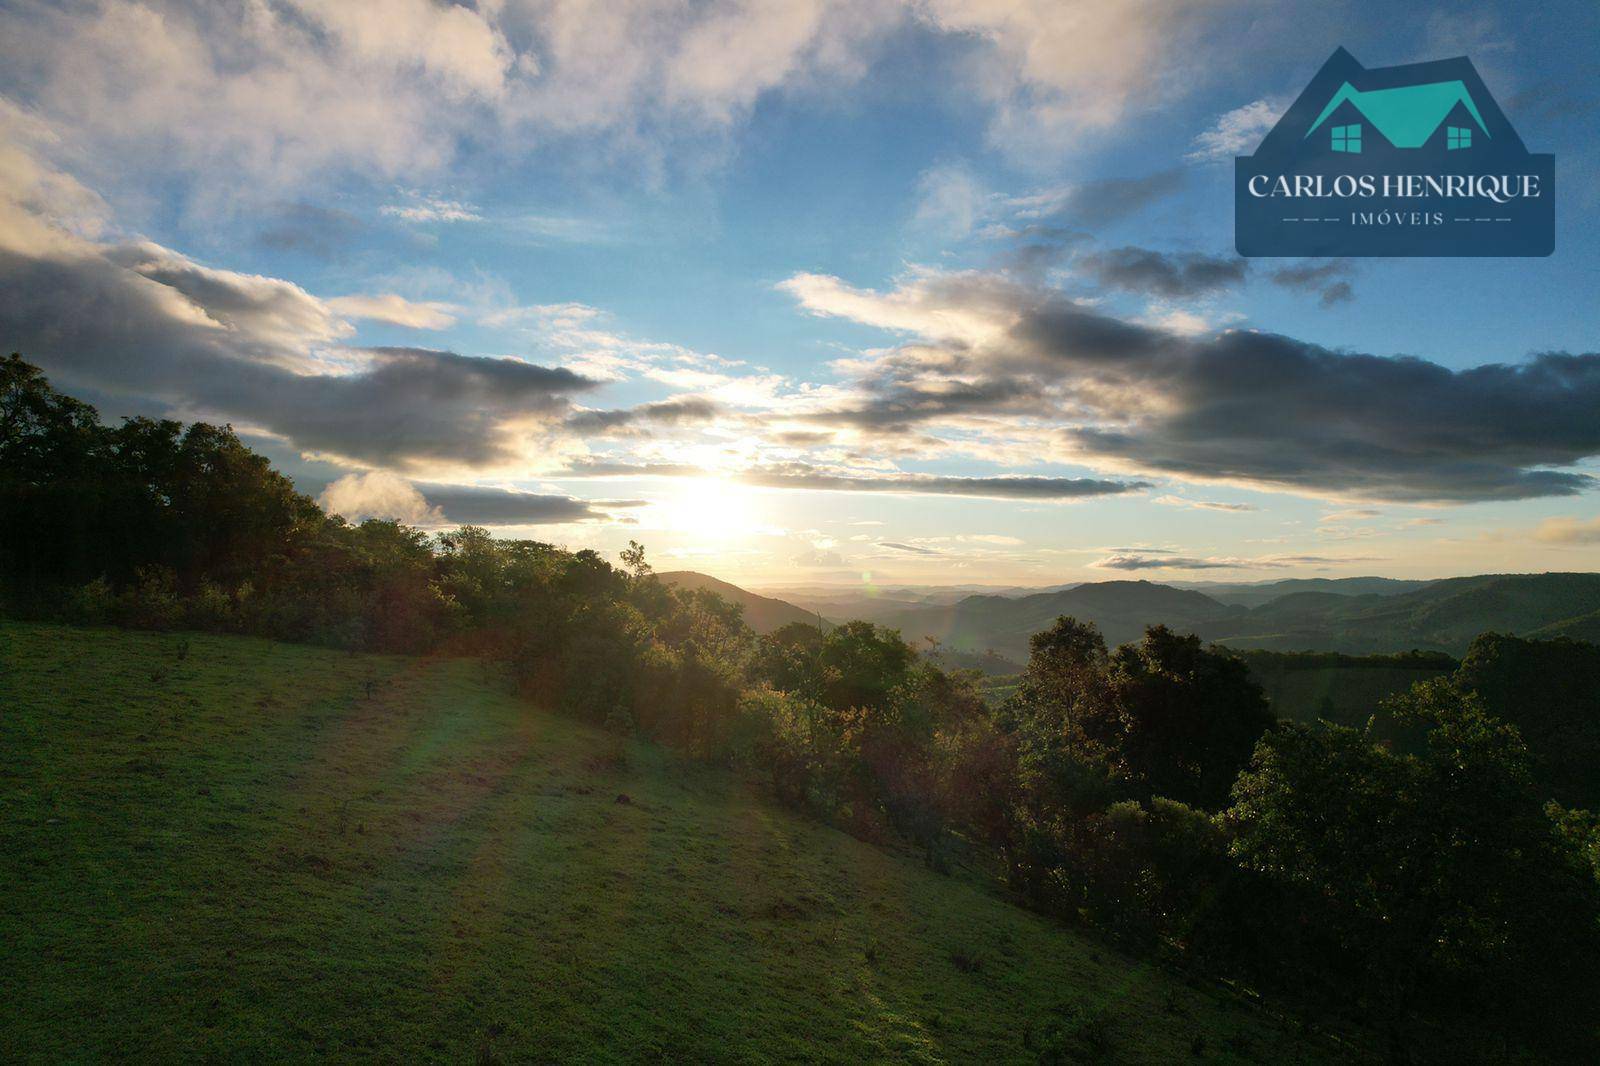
219, 847
1346, 689
1348, 693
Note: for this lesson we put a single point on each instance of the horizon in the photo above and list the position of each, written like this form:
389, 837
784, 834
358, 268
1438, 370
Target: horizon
919, 296
1181, 583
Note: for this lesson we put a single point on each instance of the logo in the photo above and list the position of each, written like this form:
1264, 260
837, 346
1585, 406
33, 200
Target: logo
1416, 160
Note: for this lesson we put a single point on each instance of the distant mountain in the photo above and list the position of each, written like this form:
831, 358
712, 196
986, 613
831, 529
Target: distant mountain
1441, 616
1356, 616
763, 613
1257, 593
1122, 610
1584, 627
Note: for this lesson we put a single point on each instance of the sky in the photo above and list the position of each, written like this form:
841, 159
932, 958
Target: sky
807, 292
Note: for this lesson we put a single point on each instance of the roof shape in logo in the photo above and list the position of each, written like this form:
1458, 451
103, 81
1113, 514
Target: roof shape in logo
1408, 114
1405, 104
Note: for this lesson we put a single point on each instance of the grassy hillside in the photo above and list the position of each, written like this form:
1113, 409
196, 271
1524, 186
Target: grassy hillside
225, 847
763, 613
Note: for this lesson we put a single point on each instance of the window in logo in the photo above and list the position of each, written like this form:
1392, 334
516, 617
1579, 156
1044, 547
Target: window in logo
1348, 138
1458, 137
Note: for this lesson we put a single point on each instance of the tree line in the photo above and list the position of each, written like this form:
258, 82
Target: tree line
1444, 897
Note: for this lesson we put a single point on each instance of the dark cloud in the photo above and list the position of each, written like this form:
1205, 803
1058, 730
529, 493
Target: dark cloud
1172, 275
477, 505
142, 320
663, 413
801, 476
1327, 278
320, 232
1268, 408
1248, 406
901, 404
1167, 562
619, 468
912, 548
1149, 559
806, 476
1096, 203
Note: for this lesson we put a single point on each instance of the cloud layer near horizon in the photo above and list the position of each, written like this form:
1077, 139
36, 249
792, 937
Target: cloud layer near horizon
1236, 406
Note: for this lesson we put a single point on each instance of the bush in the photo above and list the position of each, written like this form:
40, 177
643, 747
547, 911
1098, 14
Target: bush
153, 601
93, 603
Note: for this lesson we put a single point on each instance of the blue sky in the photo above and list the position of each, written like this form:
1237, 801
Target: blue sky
801, 293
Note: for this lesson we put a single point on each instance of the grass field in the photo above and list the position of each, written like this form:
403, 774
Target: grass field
225, 848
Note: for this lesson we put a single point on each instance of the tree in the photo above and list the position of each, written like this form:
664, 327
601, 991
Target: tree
1164, 717
1550, 690
1187, 719
1449, 888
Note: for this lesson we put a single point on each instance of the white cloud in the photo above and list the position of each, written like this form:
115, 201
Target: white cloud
379, 494
243, 101
1567, 530
952, 201
1236, 132
1204, 505
421, 208
1052, 69
397, 310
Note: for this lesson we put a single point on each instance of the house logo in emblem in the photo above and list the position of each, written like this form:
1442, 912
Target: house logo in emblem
1415, 160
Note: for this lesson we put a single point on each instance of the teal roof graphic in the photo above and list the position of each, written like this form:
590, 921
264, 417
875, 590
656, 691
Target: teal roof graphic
1406, 115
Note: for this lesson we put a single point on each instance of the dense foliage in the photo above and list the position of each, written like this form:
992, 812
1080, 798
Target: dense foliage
1443, 894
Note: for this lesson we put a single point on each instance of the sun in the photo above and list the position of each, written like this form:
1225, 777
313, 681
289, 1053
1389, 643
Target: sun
710, 509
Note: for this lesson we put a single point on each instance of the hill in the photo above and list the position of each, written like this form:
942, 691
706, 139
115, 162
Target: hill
223, 847
763, 613
1357, 616
1256, 594
1442, 616
1122, 610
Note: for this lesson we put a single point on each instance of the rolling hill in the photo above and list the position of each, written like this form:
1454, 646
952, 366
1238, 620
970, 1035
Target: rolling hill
226, 848
1003, 624
1442, 616
1357, 616
1257, 594
763, 613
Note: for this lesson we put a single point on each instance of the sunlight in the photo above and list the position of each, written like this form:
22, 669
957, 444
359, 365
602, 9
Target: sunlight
710, 509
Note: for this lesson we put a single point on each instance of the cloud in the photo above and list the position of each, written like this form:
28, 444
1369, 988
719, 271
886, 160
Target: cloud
379, 494
909, 548
817, 557
396, 310
1565, 530
145, 321
482, 505
1204, 505
1169, 274
1097, 202
1328, 278
423, 208
1236, 406
1350, 514
384, 494
188, 95
1053, 71
1236, 132
1148, 561
675, 412
1166, 562
320, 232
799, 476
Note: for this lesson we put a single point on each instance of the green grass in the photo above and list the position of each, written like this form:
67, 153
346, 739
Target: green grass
224, 848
